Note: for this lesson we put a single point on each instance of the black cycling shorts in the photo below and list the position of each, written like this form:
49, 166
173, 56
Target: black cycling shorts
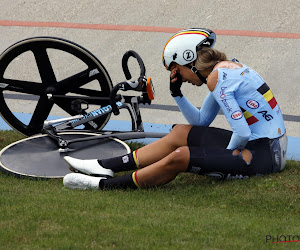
209, 156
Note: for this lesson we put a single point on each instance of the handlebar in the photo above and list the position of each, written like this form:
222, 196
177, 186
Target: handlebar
126, 56
138, 85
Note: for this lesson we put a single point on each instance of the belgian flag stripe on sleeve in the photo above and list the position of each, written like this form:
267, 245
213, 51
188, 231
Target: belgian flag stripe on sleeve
268, 95
250, 119
263, 88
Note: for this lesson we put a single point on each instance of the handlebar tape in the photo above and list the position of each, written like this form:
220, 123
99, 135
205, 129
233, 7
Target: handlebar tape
127, 55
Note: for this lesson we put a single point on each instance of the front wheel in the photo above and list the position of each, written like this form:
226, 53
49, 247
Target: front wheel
39, 157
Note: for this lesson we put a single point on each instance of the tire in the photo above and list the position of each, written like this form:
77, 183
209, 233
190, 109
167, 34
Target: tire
38, 157
30, 72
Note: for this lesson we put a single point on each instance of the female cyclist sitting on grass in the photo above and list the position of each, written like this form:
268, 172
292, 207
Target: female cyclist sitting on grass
255, 146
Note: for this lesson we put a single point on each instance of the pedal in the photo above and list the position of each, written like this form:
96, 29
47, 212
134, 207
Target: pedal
79, 106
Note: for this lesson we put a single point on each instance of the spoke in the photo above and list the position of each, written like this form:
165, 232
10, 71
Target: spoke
23, 86
40, 114
88, 92
76, 85
74, 82
44, 66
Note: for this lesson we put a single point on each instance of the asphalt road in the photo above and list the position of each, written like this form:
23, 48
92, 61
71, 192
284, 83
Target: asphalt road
262, 34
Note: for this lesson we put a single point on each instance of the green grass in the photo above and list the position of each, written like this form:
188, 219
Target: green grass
9, 136
192, 212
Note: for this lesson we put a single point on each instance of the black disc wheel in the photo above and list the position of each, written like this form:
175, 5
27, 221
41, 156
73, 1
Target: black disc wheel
41, 77
39, 157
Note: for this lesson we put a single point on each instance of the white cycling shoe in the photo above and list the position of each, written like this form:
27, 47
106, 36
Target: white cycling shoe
90, 167
81, 181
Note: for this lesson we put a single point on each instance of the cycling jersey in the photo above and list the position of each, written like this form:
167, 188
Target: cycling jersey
247, 103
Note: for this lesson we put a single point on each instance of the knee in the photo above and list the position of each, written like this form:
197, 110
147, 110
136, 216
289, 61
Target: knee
179, 128
179, 134
179, 159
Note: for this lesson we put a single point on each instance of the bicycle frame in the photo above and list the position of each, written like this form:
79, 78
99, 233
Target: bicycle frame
117, 102
70, 123
75, 121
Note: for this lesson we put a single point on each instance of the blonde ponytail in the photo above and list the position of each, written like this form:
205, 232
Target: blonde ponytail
208, 57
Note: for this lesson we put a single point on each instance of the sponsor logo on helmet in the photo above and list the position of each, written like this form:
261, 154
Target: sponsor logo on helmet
175, 56
206, 43
252, 104
236, 115
188, 55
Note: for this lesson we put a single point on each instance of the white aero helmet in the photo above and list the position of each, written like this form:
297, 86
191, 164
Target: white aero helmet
183, 46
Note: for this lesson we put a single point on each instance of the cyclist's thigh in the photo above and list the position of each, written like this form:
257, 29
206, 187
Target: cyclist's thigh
208, 137
221, 163
217, 162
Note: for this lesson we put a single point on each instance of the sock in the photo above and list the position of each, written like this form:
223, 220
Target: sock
122, 163
123, 182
